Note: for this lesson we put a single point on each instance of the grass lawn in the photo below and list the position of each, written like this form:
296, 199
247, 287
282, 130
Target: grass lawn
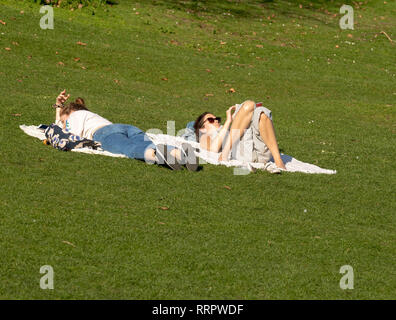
98, 220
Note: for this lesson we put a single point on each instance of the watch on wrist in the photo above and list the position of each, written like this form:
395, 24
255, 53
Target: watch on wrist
55, 105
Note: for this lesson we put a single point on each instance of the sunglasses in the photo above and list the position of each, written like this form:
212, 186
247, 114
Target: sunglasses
212, 120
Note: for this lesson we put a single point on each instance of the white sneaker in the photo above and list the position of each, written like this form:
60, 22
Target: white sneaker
272, 168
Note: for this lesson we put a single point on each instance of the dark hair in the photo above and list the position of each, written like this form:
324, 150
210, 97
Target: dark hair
198, 124
79, 104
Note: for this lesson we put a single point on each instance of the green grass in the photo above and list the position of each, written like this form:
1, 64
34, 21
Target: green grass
268, 237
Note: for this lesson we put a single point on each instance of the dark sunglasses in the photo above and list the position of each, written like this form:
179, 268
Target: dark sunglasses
212, 120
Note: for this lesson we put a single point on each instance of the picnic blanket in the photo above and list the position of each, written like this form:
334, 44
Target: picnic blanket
292, 164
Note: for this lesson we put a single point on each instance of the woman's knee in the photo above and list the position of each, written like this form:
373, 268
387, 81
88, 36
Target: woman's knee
264, 120
249, 105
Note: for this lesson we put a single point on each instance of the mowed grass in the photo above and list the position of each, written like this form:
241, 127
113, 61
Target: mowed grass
98, 220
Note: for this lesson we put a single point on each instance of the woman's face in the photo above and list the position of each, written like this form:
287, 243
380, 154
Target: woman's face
210, 122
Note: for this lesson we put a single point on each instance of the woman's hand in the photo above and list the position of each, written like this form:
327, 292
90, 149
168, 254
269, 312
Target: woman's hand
229, 113
62, 98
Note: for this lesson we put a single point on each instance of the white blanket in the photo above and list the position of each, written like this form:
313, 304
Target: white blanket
292, 164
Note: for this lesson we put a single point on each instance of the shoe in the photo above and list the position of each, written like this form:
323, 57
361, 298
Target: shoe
272, 168
188, 157
165, 158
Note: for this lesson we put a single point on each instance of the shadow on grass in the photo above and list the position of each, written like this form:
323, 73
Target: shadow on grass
246, 8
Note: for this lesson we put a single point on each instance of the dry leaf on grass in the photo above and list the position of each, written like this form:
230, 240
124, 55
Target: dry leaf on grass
232, 90
69, 243
165, 79
81, 43
76, 59
16, 114
227, 187
209, 94
163, 208
2, 22
8, 49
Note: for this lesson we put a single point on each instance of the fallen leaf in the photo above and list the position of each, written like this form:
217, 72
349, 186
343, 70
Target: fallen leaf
116, 81
16, 114
82, 67
174, 42
222, 42
337, 46
29, 57
259, 45
80, 6
163, 208
76, 59
232, 90
350, 35
300, 6
209, 95
161, 222
165, 79
8, 49
272, 70
56, 52
22, 12
2, 22
19, 80
208, 70
69, 243
61, 63
15, 43
81, 43
227, 187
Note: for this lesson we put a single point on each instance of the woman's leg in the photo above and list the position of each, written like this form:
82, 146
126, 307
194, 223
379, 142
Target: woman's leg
127, 140
241, 122
267, 133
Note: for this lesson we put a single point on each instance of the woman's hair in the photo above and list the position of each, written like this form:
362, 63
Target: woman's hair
79, 104
198, 124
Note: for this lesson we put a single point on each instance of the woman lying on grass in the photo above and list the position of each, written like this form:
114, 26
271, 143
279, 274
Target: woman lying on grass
249, 130
119, 138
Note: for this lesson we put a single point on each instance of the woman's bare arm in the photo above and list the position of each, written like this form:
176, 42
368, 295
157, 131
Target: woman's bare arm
214, 145
60, 100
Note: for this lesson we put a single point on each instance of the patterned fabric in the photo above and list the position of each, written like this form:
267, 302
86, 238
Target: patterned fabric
65, 141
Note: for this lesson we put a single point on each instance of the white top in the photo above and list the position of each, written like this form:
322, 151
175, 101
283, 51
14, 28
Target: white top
84, 123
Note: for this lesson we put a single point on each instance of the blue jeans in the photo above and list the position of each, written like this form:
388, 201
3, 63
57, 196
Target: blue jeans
124, 139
